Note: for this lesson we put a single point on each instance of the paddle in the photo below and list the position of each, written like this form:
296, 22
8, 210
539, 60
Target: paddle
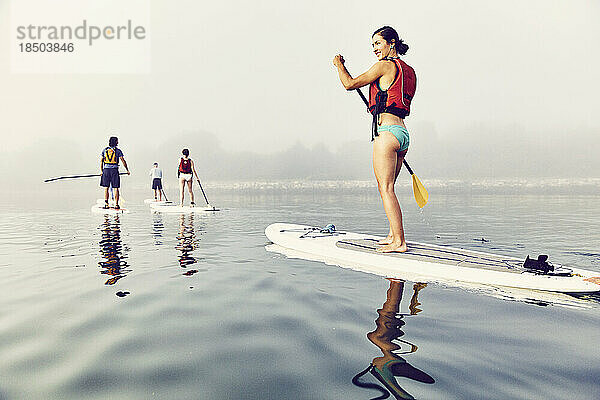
78, 176
164, 194
204, 194
419, 191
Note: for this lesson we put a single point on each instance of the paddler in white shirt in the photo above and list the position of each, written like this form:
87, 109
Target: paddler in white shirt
156, 175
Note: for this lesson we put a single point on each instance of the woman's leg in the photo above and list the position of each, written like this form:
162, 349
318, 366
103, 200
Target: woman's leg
400, 158
189, 183
181, 190
385, 160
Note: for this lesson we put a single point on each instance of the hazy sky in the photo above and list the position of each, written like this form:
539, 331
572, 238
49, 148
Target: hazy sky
502, 82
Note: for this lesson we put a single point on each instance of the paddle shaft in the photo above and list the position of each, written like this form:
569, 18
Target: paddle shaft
164, 194
204, 194
362, 96
78, 176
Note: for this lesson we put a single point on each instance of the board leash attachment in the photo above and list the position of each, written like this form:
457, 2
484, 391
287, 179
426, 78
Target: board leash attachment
328, 230
541, 266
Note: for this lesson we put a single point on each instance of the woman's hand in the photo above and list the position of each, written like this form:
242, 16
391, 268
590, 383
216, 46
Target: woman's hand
338, 60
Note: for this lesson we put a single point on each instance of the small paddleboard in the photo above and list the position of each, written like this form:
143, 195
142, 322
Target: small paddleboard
99, 209
424, 262
176, 208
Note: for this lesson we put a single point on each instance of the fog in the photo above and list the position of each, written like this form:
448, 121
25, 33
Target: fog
505, 89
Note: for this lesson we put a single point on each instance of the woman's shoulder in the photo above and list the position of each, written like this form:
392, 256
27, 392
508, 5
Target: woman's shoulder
385, 62
385, 66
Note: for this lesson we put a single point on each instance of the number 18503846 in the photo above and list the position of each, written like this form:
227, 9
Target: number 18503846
46, 47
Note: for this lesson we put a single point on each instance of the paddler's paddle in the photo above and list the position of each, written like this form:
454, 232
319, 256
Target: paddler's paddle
204, 194
78, 176
164, 194
419, 191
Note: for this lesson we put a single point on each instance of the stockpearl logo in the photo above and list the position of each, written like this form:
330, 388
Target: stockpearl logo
80, 36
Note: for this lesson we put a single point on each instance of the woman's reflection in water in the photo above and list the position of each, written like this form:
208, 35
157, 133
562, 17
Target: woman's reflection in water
386, 336
112, 250
187, 242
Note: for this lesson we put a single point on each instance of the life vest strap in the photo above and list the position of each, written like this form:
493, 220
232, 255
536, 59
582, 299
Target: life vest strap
110, 156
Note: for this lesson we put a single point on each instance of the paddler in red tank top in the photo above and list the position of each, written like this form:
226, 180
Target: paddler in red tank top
392, 86
185, 173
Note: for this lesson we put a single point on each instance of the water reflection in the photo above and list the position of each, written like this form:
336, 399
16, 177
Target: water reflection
187, 242
386, 337
157, 228
112, 251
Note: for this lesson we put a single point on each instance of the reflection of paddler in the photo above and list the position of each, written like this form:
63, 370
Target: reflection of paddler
387, 336
157, 228
186, 241
111, 250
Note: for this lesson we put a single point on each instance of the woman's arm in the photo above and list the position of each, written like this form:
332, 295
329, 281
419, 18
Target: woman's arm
194, 169
375, 72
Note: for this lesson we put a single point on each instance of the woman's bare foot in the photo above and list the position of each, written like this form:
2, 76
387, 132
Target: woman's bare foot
394, 247
387, 240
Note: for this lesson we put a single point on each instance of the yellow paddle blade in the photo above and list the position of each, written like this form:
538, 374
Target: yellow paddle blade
421, 195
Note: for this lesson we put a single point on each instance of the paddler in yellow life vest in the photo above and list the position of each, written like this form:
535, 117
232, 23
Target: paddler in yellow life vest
109, 165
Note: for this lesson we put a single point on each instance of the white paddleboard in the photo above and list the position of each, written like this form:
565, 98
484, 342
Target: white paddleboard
111, 202
101, 202
99, 209
156, 202
423, 262
176, 208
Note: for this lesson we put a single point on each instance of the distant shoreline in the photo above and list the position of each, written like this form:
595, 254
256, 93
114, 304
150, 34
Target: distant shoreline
587, 186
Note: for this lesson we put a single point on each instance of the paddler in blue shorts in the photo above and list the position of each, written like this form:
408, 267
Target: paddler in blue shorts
109, 165
156, 175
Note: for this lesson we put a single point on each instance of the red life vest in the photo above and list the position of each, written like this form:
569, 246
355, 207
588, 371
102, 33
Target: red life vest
185, 166
396, 100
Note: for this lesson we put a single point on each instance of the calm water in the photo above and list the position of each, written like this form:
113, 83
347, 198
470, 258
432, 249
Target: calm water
145, 305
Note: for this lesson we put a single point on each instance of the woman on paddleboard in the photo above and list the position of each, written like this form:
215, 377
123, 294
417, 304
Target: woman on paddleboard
185, 173
392, 85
